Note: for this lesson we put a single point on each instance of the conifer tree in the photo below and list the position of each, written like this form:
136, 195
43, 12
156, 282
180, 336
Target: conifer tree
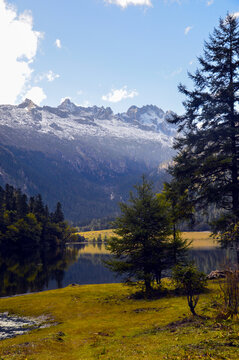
27, 223
143, 247
10, 200
58, 215
21, 204
207, 163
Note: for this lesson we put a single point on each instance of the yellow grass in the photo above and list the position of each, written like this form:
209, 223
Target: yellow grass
200, 239
90, 235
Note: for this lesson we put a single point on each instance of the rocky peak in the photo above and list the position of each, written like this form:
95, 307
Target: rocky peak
133, 112
152, 111
27, 104
67, 105
148, 117
103, 113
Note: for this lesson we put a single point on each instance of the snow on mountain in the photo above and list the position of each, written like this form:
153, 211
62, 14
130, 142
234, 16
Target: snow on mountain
68, 106
150, 117
86, 158
70, 122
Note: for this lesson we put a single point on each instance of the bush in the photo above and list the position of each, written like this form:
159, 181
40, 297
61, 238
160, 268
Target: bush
191, 281
229, 287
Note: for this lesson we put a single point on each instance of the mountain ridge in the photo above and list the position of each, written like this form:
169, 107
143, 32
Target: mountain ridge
69, 152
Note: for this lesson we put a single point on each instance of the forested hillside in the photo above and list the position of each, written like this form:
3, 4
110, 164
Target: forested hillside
28, 223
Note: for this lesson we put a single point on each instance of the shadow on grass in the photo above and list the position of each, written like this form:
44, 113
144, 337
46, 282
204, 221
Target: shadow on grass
162, 292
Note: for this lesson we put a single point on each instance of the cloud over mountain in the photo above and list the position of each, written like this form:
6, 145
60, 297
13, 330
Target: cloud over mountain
18, 50
116, 95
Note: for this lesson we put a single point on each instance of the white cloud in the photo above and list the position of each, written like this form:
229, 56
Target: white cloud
49, 76
187, 29
210, 2
36, 94
125, 3
191, 62
58, 43
116, 95
18, 44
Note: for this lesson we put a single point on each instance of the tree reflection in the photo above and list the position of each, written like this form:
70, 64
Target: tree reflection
25, 270
31, 269
211, 259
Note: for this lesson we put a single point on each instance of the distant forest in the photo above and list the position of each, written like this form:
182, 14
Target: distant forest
200, 222
28, 222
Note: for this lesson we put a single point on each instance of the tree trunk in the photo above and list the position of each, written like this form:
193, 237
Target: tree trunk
148, 287
237, 252
192, 304
233, 121
158, 277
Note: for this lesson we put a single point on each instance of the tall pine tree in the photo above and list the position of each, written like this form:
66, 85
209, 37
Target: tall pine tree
207, 162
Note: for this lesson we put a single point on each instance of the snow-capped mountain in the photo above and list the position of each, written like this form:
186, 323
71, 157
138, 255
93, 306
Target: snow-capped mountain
70, 122
104, 153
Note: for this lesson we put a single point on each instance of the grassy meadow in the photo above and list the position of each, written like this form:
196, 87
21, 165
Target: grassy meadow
90, 322
200, 239
105, 322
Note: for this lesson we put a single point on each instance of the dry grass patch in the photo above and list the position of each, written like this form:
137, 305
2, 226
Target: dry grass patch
200, 239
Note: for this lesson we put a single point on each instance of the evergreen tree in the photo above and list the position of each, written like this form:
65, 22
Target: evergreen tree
58, 215
26, 223
207, 163
31, 204
2, 195
10, 199
21, 204
38, 208
179, 203
179, 208
142, 249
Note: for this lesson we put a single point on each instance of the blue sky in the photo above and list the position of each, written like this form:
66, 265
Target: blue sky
103, 52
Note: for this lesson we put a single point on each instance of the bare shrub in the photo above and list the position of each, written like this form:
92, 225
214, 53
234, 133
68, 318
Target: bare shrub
229, 287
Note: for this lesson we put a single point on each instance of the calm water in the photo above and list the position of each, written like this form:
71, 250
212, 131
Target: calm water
82, 264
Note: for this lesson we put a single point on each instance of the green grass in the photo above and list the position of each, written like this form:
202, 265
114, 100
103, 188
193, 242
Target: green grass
104, 322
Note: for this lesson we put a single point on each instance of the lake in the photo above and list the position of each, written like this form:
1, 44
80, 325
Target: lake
79, 263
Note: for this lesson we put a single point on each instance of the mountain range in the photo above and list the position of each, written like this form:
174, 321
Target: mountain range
86, 158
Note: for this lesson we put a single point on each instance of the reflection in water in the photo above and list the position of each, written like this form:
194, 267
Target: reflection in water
27, 270
212, 258
89, 268
31, 270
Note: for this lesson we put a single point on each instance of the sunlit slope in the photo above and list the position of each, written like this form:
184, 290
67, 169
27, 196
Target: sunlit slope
200, 239
103, 322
